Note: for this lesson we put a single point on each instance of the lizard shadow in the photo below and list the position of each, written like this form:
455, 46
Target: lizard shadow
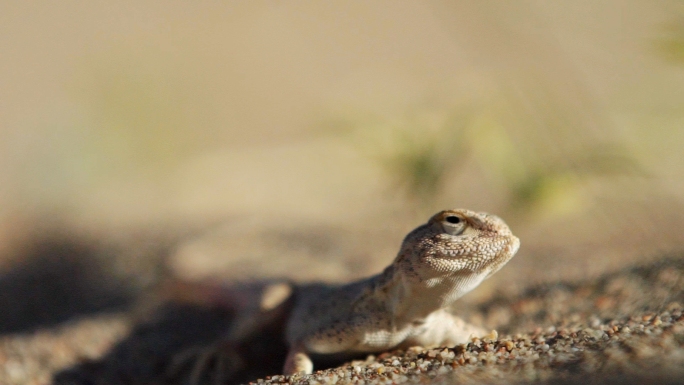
147, 353
182, 327
56, 278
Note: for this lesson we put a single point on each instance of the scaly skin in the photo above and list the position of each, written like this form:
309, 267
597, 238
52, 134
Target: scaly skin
406, 304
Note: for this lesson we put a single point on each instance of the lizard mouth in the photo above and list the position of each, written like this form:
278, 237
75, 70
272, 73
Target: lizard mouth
480, 257
492, 248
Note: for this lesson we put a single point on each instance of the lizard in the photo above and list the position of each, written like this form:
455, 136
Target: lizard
407, 304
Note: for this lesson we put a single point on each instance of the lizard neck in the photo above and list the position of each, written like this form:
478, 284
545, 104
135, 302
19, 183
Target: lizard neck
410, 298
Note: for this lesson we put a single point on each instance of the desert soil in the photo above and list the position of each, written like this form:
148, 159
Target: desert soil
626, 326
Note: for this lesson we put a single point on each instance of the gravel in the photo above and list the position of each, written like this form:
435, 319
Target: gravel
624, 327
642, 344
33, 358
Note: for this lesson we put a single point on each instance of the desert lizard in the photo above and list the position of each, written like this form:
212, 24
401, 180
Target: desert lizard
405, 305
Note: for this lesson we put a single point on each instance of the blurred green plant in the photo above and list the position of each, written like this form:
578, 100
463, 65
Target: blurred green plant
670, 45
141, 120
417, 150
425, 149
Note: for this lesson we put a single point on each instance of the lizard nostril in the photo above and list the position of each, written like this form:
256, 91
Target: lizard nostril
453, 219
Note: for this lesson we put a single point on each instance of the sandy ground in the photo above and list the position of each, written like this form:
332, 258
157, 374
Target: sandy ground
625, 326
286, 139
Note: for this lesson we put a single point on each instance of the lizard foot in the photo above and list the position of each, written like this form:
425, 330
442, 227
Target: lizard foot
297, 361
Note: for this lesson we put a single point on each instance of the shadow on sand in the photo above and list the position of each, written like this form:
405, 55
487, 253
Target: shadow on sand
57, 279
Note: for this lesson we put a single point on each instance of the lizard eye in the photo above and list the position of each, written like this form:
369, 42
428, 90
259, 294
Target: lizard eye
452, 219
453, 225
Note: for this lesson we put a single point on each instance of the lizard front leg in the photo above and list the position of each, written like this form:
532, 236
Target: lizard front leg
442, 328
297, 361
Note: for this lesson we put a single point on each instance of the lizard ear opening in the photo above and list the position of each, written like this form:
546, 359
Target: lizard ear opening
453, 225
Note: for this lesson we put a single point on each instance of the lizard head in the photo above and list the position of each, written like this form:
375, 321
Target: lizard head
461, 246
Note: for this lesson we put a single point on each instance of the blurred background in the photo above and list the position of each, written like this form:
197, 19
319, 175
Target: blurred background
303, 140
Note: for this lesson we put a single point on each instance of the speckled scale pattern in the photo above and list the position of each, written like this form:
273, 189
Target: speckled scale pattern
437, 263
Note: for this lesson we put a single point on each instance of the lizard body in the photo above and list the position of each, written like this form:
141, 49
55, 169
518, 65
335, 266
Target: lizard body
406, 304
